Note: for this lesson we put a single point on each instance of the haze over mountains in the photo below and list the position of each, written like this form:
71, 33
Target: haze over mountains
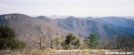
29, 28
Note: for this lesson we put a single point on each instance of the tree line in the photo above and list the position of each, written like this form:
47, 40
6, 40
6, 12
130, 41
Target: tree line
70, 42
123, 41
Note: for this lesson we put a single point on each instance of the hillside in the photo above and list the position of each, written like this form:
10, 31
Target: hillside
28, 28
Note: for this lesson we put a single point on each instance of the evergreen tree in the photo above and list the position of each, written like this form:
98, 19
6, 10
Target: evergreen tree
6, 32
7, 40
64, 45
70, 40
92, 41
76, 43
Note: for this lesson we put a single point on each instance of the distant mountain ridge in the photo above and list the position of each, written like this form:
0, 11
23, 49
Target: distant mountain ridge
56, 16
119, 21
104, 27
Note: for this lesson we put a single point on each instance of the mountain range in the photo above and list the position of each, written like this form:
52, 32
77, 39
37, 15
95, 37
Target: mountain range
29, 28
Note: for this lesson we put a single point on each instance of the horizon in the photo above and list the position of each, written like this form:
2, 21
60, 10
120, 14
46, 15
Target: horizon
76, 8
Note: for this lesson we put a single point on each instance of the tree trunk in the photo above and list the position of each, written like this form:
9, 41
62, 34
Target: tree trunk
57, 45
52, 44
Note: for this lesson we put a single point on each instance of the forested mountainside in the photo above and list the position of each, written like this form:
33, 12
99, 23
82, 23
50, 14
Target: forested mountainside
28, 29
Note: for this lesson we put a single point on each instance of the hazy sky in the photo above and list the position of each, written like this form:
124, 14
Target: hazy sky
69, 7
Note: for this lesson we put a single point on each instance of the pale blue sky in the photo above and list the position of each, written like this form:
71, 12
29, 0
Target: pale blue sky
69, 7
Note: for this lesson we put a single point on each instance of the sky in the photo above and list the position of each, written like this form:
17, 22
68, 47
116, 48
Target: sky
69, 7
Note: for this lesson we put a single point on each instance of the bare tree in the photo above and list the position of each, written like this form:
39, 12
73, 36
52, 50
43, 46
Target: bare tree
125, 42
40, 40
52, 43
106, 43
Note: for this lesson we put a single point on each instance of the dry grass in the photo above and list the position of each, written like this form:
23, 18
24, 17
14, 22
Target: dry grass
47, 51
84, 52
76, 52
57, 52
